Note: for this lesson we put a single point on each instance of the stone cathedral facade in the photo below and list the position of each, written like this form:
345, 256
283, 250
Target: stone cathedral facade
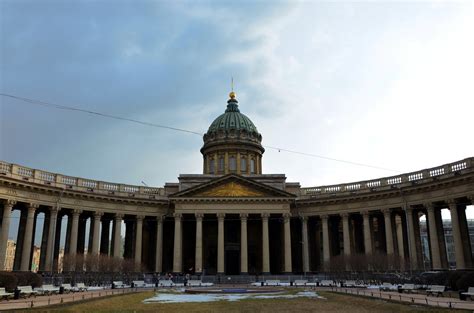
235, 220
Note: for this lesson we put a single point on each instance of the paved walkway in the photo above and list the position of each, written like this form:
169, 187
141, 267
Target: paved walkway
40, 301
415, 298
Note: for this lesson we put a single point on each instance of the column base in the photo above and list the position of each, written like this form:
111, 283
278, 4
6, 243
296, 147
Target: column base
266, 273
288, 273
244, 273
197, 273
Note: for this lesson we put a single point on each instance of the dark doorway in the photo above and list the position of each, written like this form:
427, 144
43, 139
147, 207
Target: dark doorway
232, 262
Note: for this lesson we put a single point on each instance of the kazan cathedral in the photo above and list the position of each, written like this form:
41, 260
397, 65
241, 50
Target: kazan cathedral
233, 219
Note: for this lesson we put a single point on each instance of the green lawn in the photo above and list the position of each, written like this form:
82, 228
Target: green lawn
333, 303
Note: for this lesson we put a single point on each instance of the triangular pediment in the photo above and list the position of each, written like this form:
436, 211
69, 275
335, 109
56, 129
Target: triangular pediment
232, 186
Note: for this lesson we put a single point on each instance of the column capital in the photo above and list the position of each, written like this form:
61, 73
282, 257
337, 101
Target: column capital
286, 216
33, 206
160, 218
220, 216
265, 216
345, 215
324, 217
177, 216
428, 205
140, 218
98, 215
118, 216
76, 212
365, 213
386, 211
408, 208
304, 218
199, 216
471, 197
244, 216
9, 203
451, 203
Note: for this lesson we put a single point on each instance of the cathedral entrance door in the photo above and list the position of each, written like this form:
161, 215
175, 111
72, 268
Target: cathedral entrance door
232, 262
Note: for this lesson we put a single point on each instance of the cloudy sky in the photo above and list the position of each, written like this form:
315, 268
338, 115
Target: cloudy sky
382, 83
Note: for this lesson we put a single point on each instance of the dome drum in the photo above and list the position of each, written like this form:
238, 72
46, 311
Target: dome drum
232, 143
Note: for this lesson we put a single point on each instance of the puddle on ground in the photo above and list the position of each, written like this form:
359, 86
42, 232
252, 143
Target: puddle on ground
180, 297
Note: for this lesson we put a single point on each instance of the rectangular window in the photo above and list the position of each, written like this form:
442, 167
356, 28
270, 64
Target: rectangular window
252, 166
211, 166
221, 164
232, 164
243, 165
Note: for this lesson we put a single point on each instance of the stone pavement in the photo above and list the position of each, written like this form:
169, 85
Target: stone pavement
41, 301
414, 298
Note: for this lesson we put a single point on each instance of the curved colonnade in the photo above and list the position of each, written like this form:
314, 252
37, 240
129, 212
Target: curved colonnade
301, 233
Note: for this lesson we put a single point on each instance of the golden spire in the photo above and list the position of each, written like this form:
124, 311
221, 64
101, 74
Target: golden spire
232, 94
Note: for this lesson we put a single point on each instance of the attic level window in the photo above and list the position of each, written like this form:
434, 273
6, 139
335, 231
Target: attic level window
243, 165
211, 166
232, 164
252, 166
221, 164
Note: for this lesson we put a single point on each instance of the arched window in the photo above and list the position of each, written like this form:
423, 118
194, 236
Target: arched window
232, 164
252, 166
243, 165
211, 166
221, 164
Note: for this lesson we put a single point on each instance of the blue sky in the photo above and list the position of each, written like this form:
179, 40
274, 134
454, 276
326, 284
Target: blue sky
386, 84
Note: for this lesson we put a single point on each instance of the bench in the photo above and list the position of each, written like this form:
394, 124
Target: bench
303, 282
5, 295
194, 283
469, 292
26, 291
47, 290
387, 287
165, 283
436, 290
272, 282
119, 285
138, 283
80, 287
326, 283
408, 287
67, 288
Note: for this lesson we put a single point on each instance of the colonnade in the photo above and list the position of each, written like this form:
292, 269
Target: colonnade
100, 242
391, 232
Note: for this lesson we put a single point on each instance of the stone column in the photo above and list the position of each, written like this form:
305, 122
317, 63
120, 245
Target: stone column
265, 245
74, 233
226, 163
238, 163
367, 233
304, 238
138, 242
178, 244
96, 233
345, 233
411, 238
326, 251
117, 235
457, 239
7, 211
399, 231
220, 243
388, 230
243, 244
28, 239
51, 235
434, 245
159, 244
287, 240
198, 258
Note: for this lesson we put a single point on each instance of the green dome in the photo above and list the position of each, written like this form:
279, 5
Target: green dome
232, 119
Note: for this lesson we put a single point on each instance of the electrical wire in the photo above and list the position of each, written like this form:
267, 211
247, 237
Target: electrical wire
106, 115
